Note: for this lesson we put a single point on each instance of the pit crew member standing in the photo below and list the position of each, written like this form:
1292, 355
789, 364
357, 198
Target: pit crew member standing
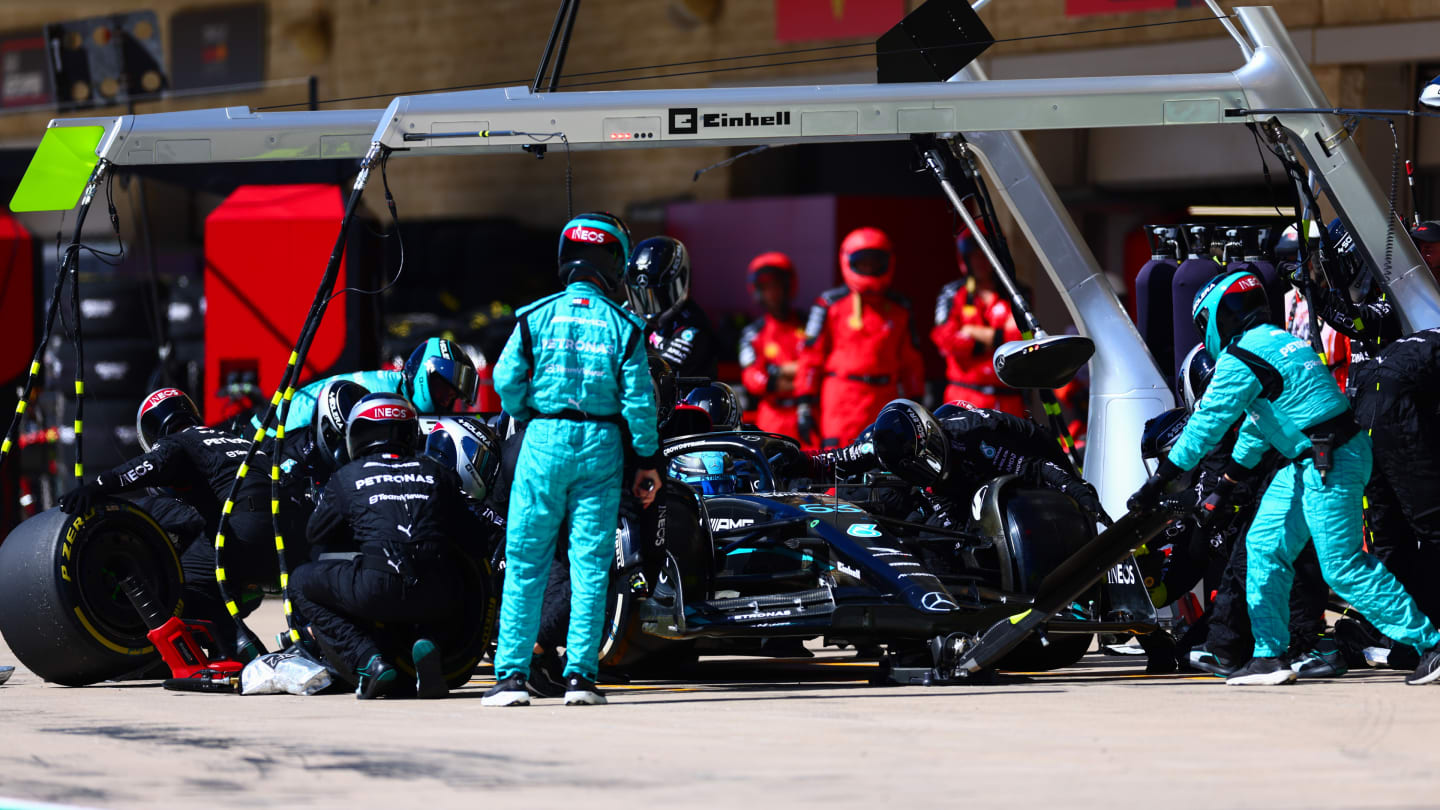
575, 369
199, 464
970, 321
860, 349
657, 286
1293, 405
400, 511
770, 347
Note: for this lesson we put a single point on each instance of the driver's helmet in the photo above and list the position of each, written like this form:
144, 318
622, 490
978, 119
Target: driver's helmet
949, 409
710, 472
720, 401
662, 375
1195, 374
467, 446
332, 408
909, 442
438, 374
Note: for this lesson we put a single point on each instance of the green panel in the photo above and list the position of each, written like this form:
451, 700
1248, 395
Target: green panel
59, 170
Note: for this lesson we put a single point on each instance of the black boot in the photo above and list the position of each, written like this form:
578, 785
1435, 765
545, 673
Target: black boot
429, 676
377, 676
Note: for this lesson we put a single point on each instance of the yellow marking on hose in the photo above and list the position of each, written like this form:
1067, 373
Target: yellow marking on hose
1019, 617
1324, 359
1358, 325
219, 574
279, 432
79, 470
285, 583
1052, 408
279, 543
20, 407
244, 470
294, 359
274, 471
274, 507
289, 392
287, 607
259, 434
79, 388
220, 540
1364, 502
79, 427
35, 368
1027, 334
294, 634
229, 504
233, 608
5, 447
275, 400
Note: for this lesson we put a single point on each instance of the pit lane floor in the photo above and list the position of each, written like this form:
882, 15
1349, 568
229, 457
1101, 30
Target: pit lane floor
1101, 734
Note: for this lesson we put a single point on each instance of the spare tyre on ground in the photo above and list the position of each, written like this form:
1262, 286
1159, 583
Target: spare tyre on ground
62, 611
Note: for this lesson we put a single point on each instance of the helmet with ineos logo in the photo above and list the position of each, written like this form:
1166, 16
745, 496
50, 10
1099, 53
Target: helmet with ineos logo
909, 442
657, 280
867, 260
465, 445
1229, 306
595, 247
382, 423
163, 412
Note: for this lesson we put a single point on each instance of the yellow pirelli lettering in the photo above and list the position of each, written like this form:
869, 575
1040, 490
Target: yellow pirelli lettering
233, 608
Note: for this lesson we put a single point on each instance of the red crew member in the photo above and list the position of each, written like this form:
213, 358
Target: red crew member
971, 319
770, 347
860, 348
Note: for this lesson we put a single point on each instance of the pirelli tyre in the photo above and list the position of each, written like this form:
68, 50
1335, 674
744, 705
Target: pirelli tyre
62, 611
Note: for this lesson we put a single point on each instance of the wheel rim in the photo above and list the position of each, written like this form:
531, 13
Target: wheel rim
114, 550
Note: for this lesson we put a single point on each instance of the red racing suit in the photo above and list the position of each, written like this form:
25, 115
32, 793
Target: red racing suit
860, 352
765, 345
969, 371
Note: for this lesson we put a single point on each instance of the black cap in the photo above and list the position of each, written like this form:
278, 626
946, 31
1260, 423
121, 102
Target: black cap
1426, 232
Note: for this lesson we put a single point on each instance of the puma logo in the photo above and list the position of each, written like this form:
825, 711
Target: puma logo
405, 529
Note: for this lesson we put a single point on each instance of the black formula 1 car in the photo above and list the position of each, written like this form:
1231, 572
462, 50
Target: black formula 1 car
749, 556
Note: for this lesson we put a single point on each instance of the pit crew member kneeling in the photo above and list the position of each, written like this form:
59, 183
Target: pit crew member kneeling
1293, 405
401, 512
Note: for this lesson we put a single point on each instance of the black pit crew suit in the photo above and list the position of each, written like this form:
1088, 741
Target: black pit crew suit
198, 466
1398, 402
403, 515
687, 342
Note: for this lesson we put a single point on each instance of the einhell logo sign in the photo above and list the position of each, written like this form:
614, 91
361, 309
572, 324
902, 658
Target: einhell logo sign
689, 120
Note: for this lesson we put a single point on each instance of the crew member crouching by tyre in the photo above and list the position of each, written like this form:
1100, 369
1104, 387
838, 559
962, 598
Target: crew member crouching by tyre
400, 512
198, 464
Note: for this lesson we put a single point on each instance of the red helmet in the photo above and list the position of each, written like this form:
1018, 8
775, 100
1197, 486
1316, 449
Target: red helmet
775, 265
965, 244
867, 260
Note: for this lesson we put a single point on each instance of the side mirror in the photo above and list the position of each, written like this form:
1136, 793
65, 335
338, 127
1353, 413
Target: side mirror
1045, 362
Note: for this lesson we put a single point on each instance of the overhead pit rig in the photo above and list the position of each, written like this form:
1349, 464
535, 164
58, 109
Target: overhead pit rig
1126, 386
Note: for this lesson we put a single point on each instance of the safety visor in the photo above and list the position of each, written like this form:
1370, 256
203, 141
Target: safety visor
449, 381
485, 462
870, 262
647, 302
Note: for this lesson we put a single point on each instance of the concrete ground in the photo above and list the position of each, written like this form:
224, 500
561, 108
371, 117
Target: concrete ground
743, 733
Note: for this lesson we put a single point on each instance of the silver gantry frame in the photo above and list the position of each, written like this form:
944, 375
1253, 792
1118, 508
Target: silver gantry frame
1126, 387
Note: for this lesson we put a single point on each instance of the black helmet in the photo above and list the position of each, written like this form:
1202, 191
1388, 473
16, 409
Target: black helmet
1161, 432
1195, 374
1228, 306
949, 409
1349, 269
666, 392
595, 247
657, 282
909, 442
382, 423
437, 374
165, 411
720, 401
465, 445
332, 407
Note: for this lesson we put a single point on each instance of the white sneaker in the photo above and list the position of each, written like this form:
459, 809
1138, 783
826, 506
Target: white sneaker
581, 691
509, 692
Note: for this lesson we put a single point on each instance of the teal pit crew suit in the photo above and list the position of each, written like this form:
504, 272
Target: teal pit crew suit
1285, 392
575, 369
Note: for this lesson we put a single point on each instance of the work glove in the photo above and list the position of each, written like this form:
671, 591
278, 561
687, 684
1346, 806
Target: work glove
1217, 504
80, 499
855, 458
1148, 495
805, 418
1290, 272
